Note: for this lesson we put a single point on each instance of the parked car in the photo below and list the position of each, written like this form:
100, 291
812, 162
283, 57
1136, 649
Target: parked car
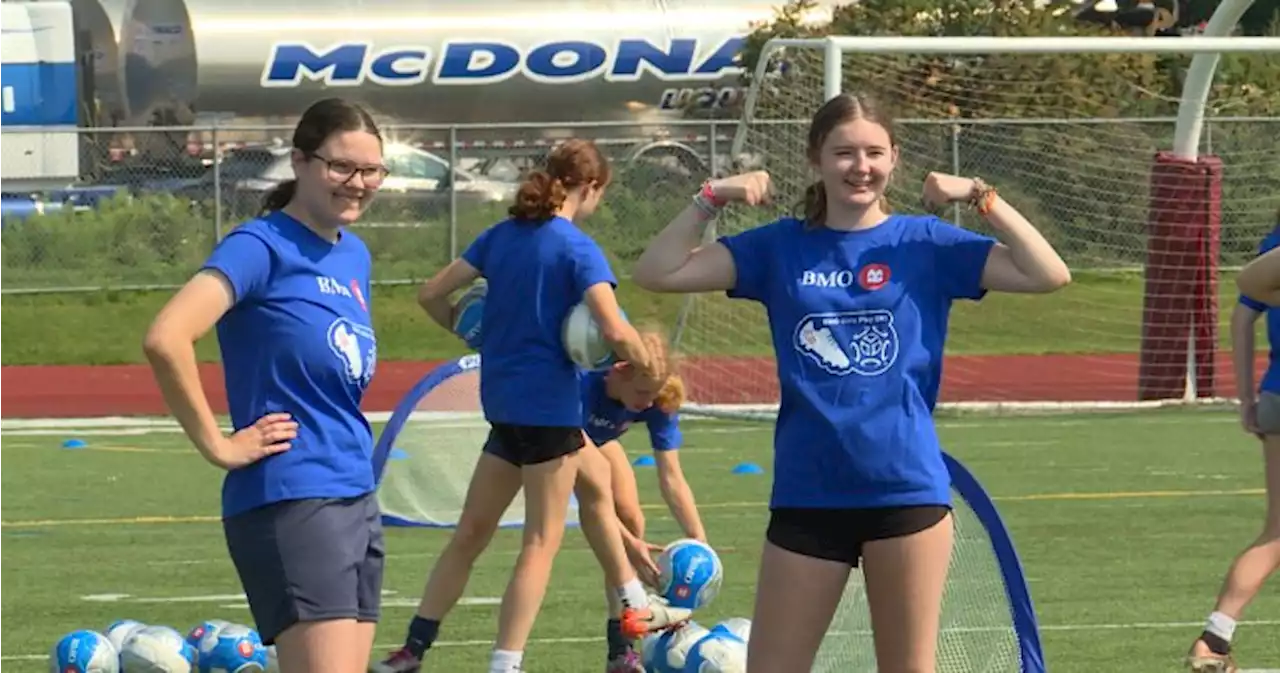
419, 180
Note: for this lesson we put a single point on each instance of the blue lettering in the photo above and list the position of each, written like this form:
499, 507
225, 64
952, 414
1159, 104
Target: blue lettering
290, 63
587, 58
724, 58
386, 68
459, 62
632, 53
492, 61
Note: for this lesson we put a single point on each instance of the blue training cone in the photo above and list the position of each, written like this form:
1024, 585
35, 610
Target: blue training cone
398, 454
74, 444
643, 461
747, 468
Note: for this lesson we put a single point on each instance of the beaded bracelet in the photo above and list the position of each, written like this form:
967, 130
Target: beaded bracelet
983, 198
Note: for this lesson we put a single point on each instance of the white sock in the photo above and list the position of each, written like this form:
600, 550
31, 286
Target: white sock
505, 661
633, 595
1221, 626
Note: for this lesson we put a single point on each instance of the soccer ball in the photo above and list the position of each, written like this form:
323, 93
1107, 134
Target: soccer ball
690, 574
583, 342
84, 652
717, 652
199, 631
234, 648
739, 627
157, 649
470, 310
120, 630
666, 651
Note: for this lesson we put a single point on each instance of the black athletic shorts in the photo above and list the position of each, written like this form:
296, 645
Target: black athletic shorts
838, 534
309, 560
532, 444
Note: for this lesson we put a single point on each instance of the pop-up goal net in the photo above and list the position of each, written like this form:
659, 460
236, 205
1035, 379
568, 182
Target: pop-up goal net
428, 450
1149, 194
1143, 195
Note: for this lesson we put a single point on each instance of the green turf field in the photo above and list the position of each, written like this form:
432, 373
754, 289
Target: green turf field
1125, 524
1097, 313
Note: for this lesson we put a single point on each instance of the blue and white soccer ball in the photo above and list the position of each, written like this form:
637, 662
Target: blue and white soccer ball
84, 651
234, 648
718, 652
199, 631
583, 342
667, 651
157, 649
470, 310
690, 574
120, 630
739, 627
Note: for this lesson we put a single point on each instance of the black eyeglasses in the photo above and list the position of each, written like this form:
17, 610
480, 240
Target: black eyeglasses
342, 170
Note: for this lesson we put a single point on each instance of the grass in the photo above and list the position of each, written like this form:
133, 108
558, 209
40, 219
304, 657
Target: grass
1124, 523
1098, 313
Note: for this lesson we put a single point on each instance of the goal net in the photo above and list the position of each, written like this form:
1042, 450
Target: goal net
1081, 140
988, 622
428, 450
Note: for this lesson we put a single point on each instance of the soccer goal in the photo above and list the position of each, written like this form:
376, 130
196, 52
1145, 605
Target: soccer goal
429, 448
1152, 200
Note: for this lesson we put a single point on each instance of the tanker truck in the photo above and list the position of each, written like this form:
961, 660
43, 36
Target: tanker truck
512, 75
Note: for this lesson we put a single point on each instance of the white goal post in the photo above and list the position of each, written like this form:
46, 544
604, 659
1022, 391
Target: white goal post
1110, 190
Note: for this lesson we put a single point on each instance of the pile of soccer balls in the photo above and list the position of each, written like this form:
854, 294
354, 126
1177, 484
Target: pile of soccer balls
690, 577
128, 646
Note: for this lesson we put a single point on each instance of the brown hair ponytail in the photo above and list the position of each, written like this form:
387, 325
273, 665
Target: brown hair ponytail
539, 197
279, 196
815, 204
574, 163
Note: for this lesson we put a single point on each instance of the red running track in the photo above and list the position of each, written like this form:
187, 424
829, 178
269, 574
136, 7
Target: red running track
127, 390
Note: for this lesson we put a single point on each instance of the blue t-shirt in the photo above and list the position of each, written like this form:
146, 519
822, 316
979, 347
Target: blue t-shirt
536, 273
607, 419
859, 319
1270, 379
298, 340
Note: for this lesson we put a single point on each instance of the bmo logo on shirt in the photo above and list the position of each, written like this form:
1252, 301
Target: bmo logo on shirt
870, 277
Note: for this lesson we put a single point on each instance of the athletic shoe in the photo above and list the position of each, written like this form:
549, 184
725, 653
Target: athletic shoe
400, 661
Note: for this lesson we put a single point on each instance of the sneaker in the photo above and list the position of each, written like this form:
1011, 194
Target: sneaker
658, 616
400, 661
625, 663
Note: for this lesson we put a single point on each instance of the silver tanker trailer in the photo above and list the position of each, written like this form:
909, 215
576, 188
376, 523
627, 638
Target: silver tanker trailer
513, 71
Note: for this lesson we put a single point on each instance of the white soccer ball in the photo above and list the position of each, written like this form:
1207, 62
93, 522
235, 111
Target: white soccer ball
84, 651
120, 630
717, 652
582, 340
739, 627
668, 651
157, 649
234, 648
689, 574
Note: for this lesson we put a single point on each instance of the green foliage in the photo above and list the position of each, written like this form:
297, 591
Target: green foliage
162, 240
1085, 182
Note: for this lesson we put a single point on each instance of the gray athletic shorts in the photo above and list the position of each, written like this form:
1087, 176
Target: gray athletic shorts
309, 560
1269, 413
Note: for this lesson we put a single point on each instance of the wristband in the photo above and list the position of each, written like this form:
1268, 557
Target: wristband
706, 201
710, 195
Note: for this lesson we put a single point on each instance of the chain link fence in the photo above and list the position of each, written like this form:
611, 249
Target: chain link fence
152, 203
